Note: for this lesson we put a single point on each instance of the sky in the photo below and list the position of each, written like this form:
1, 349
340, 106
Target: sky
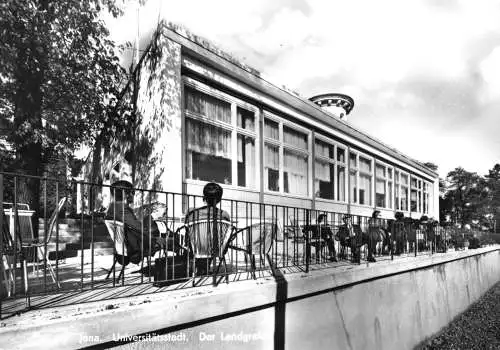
424, 75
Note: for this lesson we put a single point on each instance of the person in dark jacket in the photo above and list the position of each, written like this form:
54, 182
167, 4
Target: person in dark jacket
120, 210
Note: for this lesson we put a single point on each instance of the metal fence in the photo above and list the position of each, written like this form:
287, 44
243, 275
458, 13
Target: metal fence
73, 235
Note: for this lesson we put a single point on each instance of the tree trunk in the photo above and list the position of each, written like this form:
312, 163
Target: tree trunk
28, 117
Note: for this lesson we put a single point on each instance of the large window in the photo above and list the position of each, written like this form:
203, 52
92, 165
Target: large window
220, 137
286, 157
360, 179
329, 182
416, 195
426, 197
404, 191
383, 186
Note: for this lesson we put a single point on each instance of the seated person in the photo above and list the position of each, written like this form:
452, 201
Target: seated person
212, 195
120, 210
326, 235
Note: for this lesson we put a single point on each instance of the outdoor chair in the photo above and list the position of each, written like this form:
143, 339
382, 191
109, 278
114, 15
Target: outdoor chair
314, 238
294, 230
198, 240
255, 239
36, 249
116, 231
11, 254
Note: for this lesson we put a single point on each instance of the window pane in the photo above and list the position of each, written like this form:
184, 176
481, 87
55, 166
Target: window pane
294, 138
397, 191
341, 155
271, 129
246, 161
271, 167
208, 106
295, 173
208, 152
341, 183
365, 165
404, 198
324, 181
389, 171
426, 203
245, 119
352, 161
365, 189
389, 195
380, 193
413, 200
413, 182
404, 179
380, 171
323, 149
353, 186
396, 177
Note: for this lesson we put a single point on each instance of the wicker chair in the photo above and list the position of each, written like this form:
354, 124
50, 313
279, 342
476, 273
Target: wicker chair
198, 239
255, 239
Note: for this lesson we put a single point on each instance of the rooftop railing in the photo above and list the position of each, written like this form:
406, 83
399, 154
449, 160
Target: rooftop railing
75, 235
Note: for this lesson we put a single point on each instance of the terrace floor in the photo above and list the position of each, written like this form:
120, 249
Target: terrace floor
87, 283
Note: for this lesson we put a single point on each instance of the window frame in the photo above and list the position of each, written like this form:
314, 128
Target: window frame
398, 186
232, 127
336, 145
388, 197
280, 143
357, 170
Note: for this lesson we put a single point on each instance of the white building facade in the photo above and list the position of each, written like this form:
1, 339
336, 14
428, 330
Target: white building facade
208, 117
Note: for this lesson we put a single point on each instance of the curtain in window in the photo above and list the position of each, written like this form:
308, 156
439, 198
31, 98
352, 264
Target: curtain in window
294, 138
246, 160
404, 198
322, 170
271, 129
380, 186
365, 165
365, 187
323, 149
271, 167
208, 139
208, 106
295, 167
245, 119
340, 183
389, 192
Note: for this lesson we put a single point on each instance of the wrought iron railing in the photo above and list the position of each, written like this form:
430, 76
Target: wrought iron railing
69, 236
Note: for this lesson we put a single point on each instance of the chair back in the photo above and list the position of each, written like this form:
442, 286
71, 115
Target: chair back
262, 235
199, 234
8, 245
116, 231
53, 218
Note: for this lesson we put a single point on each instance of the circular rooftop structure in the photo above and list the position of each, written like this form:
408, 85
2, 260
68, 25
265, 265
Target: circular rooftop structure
332, 102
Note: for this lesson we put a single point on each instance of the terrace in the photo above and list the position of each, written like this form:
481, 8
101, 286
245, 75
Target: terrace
64, 250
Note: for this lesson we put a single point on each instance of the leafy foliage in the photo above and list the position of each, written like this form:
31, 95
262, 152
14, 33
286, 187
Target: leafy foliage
59, 76
471, 198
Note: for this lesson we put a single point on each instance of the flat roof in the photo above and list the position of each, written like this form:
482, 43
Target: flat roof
214, 57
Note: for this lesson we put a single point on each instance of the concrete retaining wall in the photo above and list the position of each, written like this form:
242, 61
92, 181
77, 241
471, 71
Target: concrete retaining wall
386, 305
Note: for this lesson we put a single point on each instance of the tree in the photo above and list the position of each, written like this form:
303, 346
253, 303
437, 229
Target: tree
464, 195
59, 79
492, 188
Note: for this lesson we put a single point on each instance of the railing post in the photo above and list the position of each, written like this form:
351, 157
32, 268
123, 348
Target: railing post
1, 241
306, 236
215, 245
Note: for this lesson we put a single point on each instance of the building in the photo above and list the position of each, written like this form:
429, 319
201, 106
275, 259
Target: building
207, 117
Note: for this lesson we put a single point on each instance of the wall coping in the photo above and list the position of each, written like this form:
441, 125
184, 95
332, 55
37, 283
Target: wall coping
65, 325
